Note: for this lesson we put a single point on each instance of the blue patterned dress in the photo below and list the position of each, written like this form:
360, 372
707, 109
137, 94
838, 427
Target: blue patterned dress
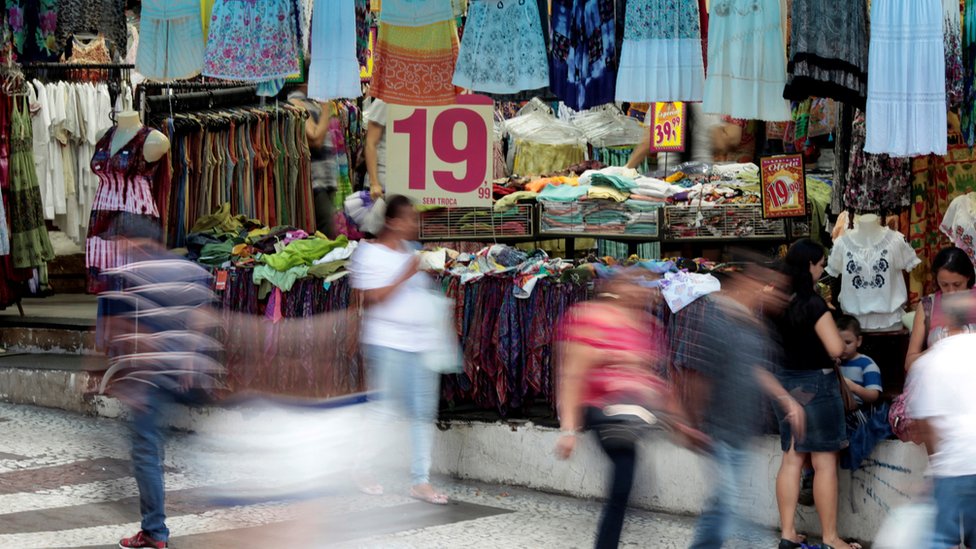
583, 69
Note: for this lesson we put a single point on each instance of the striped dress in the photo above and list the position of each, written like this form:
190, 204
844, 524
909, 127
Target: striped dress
124, 194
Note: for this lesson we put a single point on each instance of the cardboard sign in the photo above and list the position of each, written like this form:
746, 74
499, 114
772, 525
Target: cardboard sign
668, 126
783, 186
441, 156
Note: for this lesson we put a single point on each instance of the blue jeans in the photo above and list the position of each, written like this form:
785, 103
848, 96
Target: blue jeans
955, 501
148, 444
404, 387
727, 508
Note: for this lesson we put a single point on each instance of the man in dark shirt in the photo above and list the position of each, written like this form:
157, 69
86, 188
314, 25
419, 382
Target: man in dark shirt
727, 370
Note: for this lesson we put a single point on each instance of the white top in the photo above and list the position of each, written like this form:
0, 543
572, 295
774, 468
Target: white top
377, 113
959, 224
872, 286
405, 321
943, 383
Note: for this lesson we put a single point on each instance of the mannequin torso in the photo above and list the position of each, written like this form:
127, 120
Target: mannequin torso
867, 230
157, 145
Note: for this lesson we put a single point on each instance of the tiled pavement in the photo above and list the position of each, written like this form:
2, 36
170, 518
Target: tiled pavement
65, 482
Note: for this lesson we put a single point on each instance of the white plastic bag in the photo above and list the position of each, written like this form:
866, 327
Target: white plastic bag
906, 526
446, 357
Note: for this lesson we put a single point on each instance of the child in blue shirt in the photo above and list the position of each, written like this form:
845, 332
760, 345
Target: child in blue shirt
862, 374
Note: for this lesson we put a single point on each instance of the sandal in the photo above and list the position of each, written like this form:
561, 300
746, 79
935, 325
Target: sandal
787, 544
434, 498
368, 485
853, 544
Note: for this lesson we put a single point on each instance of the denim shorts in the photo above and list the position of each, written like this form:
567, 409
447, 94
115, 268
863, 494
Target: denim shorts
818, 391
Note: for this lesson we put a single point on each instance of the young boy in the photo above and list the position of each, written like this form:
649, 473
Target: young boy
863, 377
862, 374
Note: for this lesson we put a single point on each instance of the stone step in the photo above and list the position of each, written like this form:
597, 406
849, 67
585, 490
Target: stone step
47, 339
65, 382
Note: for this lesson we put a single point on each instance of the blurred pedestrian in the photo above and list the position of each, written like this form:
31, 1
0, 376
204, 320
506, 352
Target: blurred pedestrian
156, 323
724, 385
400, 325
810, 345
944, 382
324, 170
607, 352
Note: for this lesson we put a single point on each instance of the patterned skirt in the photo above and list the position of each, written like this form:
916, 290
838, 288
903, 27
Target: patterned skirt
254, 41
415, 65
503, 50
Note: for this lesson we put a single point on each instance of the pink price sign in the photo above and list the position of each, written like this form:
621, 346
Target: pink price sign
441, 156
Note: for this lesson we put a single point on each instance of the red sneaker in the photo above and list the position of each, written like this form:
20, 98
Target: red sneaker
142, 539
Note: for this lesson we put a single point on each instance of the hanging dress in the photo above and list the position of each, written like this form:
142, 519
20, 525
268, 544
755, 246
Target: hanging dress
334, 72
746, 61
503, 50
172, 40
584, 57
661, 57
33, 27
29, 242
416, 52
829, 51
906, 109
124, 195
253, 41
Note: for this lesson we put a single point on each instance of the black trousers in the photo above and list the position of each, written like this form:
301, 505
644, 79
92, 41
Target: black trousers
624, 461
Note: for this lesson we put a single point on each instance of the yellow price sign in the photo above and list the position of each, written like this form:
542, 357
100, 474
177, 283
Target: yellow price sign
668, 123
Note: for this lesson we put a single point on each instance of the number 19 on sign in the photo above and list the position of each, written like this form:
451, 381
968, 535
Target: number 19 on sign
442, 156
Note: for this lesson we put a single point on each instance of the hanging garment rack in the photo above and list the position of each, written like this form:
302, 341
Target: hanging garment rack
165, 105
114, 74
151, 89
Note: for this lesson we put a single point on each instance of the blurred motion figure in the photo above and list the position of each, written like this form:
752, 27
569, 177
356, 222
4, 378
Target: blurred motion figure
157, 325
944, 382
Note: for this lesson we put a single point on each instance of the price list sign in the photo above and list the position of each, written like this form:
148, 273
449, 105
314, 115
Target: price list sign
783, 186
668, 123
442, 156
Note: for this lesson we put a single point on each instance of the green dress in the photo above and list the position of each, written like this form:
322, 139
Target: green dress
29, 242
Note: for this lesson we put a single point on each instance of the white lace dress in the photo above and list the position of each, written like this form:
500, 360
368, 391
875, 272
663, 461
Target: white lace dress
503, 50
661, 57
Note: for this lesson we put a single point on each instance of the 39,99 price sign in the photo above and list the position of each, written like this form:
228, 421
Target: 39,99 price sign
441, 156
783, 186
668, 122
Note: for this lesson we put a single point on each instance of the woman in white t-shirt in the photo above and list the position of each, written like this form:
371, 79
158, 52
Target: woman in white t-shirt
400, 324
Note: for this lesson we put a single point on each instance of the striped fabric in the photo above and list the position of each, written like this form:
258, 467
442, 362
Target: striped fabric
156, 321
415, 55
171, 40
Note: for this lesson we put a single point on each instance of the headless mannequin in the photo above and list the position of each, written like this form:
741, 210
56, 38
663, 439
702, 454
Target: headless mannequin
867, 230
157, 145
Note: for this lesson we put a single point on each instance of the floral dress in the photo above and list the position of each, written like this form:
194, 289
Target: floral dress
875, 182
34, 24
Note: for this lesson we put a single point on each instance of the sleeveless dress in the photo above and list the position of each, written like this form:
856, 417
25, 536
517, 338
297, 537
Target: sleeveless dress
906, 109
124, 195
172, 40
746, 63
503, 50
661, 57
334, 72
583, 66
29, 242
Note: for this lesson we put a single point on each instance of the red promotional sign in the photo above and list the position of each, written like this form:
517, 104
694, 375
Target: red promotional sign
783, 186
